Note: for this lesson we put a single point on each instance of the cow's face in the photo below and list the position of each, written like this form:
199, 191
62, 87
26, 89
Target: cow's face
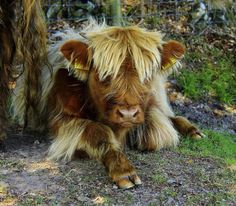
121, 99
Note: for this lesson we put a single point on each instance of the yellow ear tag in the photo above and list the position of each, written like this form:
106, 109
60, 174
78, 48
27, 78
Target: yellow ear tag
79, 66
170, 64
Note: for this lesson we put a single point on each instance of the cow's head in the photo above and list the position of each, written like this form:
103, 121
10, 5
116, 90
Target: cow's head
120, 65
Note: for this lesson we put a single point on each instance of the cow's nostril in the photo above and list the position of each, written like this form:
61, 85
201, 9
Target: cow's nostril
119, 113
135, 114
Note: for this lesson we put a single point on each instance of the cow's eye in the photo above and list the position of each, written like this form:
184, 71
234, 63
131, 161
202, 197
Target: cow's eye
106, 81
146, 81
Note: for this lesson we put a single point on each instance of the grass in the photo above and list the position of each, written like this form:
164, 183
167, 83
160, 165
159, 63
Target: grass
159, 178
213, 75
6, 163
35, 200
217, 184
221, 145
211, 199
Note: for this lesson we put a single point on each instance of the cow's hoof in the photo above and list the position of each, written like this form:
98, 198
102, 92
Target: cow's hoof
135, 179
196, 135
125, 183
128, 182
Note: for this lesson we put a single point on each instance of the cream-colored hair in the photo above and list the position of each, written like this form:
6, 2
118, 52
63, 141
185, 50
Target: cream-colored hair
112, 45
157, 132
70, 137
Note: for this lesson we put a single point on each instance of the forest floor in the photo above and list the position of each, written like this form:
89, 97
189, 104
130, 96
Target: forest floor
175, 176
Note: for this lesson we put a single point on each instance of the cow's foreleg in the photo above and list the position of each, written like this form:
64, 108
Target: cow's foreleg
157, 132
185, 127
99, 142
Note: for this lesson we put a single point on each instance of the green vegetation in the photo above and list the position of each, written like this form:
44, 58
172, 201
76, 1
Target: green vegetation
211, 199
35, 201
216, 144
213, 75
159, 178
5, 163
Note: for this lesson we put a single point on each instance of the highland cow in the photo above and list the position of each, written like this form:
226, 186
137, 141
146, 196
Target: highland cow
107, 90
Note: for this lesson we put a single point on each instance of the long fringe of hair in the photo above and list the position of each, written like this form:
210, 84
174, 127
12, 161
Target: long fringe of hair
141, 45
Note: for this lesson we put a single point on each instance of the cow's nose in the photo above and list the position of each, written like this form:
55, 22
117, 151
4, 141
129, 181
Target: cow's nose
128, 114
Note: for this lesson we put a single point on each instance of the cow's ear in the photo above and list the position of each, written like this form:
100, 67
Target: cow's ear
77, 53
171, 53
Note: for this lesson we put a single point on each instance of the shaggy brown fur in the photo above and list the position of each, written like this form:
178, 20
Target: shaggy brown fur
23, 37
116, 93
7, 53
32, 45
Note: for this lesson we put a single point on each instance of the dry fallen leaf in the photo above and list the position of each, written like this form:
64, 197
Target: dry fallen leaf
98, 200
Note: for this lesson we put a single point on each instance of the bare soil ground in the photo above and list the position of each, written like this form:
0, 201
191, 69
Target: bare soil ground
169, 176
